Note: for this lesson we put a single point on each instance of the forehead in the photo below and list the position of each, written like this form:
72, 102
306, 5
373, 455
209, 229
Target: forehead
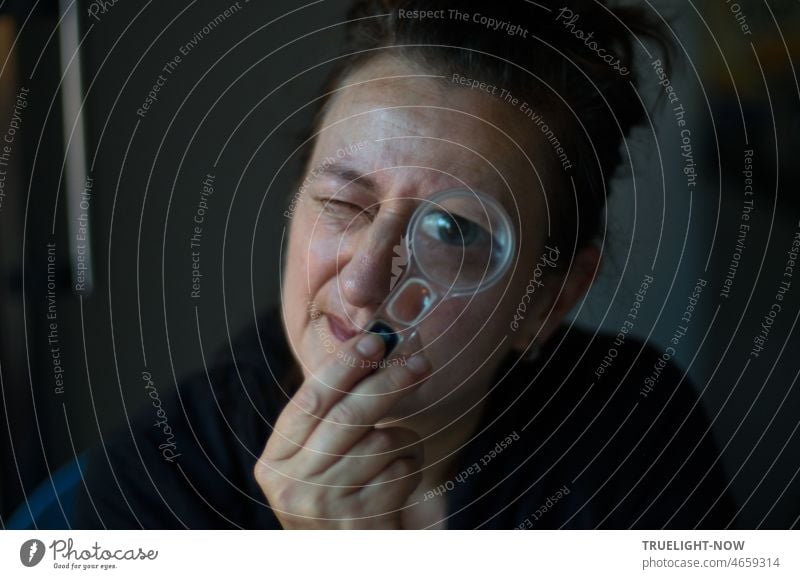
424, 132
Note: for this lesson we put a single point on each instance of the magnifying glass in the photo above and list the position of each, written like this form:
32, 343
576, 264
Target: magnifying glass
459, 242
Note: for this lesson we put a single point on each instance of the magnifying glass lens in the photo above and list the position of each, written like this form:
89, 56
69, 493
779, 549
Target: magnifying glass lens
461, 241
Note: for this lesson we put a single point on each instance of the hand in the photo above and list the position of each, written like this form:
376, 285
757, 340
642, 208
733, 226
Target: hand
326, 466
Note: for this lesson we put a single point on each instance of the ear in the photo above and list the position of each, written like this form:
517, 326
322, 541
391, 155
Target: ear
555, 302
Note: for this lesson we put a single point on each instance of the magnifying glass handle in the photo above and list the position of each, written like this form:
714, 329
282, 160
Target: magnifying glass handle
396, 321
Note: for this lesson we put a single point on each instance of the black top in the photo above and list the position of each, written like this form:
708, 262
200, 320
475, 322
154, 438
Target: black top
558, 447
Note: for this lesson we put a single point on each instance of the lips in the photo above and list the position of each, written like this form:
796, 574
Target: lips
341, 329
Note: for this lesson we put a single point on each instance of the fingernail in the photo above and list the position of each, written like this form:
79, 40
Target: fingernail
419, 364
388, 335
369, 345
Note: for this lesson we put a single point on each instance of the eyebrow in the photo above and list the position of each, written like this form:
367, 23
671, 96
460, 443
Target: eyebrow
348, 174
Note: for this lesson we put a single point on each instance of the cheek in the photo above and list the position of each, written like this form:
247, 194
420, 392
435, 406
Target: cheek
467, 329
312, 256
309, 263
310, 270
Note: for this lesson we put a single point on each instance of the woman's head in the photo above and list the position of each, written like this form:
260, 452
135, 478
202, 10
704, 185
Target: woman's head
512, 100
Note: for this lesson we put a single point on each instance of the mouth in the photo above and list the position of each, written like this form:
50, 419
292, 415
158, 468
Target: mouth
342, 330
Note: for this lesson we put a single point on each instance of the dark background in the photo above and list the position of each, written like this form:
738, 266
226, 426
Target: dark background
236, 107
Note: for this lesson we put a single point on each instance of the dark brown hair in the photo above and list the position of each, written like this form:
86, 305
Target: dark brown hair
589, 101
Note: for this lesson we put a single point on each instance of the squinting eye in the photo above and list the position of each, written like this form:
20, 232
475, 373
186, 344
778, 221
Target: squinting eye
451, 229
339, 206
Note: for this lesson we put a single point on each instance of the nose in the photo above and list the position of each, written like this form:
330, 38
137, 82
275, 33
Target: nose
365, 279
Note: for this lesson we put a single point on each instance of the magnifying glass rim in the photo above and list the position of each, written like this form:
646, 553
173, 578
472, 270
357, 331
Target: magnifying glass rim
486, 282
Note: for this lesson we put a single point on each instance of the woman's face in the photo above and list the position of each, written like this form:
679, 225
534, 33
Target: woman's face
395, 136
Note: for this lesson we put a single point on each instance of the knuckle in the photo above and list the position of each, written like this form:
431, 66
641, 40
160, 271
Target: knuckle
282, 497
381, 441
346, 414
307, 400
403, 468
399, 377
263, 471
259, 474
295, 500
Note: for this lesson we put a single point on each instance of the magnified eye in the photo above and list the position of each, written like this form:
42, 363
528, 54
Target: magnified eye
452, 229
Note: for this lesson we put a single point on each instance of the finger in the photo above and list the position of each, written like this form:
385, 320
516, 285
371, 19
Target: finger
358, 412
373, 453
393, 485
319, 393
